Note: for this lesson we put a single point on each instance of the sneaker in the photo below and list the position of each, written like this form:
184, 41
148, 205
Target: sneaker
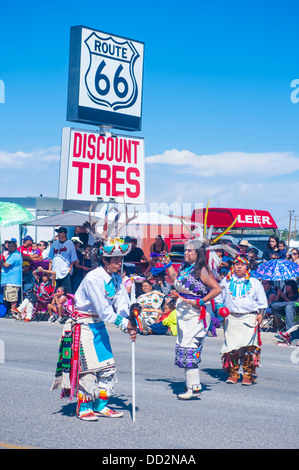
52, 319
246, 380
190, 394
232, 379
87, 416
108, 413
16, 313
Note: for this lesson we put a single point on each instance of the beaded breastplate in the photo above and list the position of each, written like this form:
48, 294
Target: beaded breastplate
187, 283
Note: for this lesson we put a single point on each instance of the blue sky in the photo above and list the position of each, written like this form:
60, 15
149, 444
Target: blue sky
218, 120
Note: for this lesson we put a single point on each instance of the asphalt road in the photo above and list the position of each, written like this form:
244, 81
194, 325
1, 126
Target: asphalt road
265, 415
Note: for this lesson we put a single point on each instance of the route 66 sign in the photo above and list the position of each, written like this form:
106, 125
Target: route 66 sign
105, 79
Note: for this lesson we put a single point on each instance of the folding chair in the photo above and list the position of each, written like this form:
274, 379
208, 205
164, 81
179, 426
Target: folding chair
282, 318
41, 306
268, 322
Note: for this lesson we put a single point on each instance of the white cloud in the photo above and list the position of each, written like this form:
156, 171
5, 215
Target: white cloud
228, 163
228, 179
20, 159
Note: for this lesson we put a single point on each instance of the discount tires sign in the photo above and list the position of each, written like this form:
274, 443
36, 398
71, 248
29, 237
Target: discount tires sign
105, 79
94, 165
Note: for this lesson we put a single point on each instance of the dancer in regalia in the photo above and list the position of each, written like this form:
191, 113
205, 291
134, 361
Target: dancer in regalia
243, 302
197, 288
86, 367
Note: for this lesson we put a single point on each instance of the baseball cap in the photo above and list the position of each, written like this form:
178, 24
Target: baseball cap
61, 229
25, 239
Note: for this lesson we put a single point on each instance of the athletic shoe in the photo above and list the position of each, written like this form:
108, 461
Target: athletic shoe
16, 313
246, 381
232, 379
108, 413
88, 416
287, 345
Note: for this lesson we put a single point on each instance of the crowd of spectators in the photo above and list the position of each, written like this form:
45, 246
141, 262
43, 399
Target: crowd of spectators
60, 265
29, 268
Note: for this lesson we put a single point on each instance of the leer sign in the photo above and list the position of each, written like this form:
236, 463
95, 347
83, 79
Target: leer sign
105, 79
95, 165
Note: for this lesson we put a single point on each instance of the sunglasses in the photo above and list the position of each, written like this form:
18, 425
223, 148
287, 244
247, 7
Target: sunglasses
188, 250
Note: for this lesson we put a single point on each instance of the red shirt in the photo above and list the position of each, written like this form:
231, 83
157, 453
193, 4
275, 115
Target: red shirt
25, 251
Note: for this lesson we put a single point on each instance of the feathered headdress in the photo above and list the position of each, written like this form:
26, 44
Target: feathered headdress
204, 237
107, 234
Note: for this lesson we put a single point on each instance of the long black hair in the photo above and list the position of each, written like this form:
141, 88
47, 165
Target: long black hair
201, 259
274, 237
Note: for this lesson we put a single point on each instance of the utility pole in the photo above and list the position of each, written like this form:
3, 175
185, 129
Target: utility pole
289, 234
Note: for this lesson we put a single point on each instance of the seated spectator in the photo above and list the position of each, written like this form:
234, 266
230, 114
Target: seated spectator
151, 304
161, 327
174, 294
282, 254
136, 254
40, 272
270, 291
272, 250
127, 280
295, 255
154, 262
244, 246
171, 322
11, 275
284, 305
161, 285
28, 284
159, 246
223, 273
57, 306
45, 286
253, 258
288, 336
225, 263
28, 278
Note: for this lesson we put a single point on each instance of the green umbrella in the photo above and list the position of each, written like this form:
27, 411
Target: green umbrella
13, 214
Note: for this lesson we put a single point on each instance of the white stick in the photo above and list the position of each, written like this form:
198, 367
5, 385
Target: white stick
133, 381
